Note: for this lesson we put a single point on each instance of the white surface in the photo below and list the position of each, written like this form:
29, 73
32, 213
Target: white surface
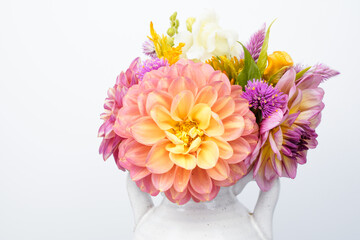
57, 59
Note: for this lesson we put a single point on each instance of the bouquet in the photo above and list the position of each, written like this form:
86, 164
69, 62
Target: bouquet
203, 110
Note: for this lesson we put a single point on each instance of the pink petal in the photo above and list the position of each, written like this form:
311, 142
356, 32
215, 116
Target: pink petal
224, 107
234, 127
220, 172
158, 160
207, 95
157, 97
241, 149
287, 81
200, 181
146, 131
182, 83
164, 181
182, 177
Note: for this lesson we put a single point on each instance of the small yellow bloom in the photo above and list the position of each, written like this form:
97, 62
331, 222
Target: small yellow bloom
163, 47
231, 67
276, 61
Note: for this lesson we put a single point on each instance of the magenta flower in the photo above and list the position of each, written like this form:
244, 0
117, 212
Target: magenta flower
264, 97
111, 141
287, 134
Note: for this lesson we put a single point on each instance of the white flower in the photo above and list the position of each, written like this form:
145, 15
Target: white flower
208, 39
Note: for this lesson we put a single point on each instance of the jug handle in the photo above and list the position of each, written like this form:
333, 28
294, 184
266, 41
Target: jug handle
141, 202
265, 205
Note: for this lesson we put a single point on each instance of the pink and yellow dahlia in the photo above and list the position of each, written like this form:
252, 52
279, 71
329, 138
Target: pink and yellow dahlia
287, 134
113, 103
187, 130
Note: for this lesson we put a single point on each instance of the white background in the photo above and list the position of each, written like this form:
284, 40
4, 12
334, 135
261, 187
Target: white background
57, 60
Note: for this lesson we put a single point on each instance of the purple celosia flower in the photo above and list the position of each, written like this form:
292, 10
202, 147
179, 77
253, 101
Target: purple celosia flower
151, 64
255, 43
320, 70
149, 49
264, 97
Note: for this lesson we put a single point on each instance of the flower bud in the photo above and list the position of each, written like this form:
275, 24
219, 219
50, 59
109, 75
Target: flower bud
171, 31
276, 61
173, 17
189, 22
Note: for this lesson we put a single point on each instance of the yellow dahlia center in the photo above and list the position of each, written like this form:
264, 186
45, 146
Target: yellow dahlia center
187, 131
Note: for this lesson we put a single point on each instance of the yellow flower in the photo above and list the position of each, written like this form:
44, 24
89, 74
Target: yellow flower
276, 61
231, 67
163, 46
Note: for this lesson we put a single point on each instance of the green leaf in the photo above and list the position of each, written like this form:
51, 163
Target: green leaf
262, 60
301, 73
250, 70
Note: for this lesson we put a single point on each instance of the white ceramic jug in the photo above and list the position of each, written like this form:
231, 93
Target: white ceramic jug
222, 218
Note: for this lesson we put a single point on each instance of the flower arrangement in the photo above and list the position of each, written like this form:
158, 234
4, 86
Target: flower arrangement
203, 110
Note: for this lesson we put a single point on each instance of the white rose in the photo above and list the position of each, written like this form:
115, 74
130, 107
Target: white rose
208, 39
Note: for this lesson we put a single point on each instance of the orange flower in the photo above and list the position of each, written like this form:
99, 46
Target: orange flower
276, 61
188, 132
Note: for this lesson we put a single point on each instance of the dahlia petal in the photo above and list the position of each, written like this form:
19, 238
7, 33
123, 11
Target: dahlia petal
158, 160
290, 166
182, 83
274, 146
182, 177
201, 113
137, 173
234, 127
310, 81
136, 153
178, 197
216, 127
146, 131
272, 121
181, 105
196, 74
194, 145
200, 181
207, 95
157, 97
221, 87
241, 149
164, 181
241, 106
145, 185
162, 117
287, 81
220, 172
224, 107
174, 139
176, 148
126, 116
225, 149
311, 98
207, 155
249, 127
197, 197
217, 77
187, 161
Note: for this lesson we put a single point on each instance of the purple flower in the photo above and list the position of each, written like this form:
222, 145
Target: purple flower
255, 43
264, 97
149, 49
151, 64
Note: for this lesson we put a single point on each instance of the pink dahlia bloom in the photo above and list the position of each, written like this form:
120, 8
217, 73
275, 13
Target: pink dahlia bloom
187, 130
113, 103
288, 133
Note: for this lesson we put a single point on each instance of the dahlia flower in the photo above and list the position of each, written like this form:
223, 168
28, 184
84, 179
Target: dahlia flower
187, 130
287, 134
113, 103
